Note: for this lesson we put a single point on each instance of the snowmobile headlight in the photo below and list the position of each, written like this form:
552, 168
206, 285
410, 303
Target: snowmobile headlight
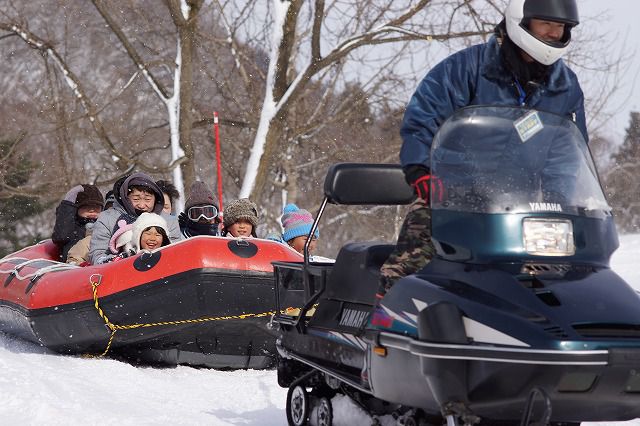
548, 237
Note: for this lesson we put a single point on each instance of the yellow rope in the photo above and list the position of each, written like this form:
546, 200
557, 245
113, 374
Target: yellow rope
115, 327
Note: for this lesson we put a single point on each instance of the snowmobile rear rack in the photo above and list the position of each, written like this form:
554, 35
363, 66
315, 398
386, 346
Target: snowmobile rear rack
345, 184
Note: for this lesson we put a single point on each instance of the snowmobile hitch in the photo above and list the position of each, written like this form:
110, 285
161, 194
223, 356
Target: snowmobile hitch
528, 411
452, 411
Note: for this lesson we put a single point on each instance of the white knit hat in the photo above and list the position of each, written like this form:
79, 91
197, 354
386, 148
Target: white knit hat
144, 221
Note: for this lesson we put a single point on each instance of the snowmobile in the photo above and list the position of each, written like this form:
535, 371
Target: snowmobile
517, 320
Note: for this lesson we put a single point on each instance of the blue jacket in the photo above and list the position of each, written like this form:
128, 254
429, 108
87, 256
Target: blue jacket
476, 76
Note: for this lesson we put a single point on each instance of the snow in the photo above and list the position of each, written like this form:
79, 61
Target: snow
185, 9
40, 387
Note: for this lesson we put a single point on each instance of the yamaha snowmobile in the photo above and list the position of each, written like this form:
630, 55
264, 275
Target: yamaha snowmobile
518, 319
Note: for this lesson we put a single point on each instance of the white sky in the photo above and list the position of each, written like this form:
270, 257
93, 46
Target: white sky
619, 19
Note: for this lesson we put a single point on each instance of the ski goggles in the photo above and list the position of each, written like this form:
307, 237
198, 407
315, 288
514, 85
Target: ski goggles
205, 212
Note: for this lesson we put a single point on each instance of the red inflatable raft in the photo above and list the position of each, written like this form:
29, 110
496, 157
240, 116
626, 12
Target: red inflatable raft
204, 301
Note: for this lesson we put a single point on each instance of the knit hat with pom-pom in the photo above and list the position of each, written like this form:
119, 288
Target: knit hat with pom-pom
296, 222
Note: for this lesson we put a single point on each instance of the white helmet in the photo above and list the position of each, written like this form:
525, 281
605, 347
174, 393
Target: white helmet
520, 12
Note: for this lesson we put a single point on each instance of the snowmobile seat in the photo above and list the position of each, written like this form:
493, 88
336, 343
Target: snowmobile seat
354, 277
350, 287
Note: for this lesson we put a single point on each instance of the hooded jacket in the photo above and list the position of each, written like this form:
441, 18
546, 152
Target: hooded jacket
107, 222
477, 76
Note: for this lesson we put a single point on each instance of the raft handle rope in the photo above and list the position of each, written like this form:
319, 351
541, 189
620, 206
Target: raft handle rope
96, 279
57, 266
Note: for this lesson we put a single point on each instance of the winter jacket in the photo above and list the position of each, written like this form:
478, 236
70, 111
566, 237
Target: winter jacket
67, 230
107, 222
477, 76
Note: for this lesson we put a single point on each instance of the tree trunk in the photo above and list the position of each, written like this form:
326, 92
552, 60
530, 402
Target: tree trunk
269, 160
186, 35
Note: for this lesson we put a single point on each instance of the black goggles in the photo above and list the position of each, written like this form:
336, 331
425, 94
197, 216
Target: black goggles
206, 212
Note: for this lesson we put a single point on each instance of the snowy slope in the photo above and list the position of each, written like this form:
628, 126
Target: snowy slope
43, 388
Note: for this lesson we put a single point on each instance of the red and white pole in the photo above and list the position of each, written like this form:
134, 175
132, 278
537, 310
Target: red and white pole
216, 130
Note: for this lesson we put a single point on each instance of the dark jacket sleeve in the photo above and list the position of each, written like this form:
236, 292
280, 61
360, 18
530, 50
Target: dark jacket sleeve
445, 89
66, 229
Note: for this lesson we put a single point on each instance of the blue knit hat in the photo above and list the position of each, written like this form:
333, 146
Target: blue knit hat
296, 222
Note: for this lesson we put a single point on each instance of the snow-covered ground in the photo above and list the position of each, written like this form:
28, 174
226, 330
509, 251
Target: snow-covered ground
40, 388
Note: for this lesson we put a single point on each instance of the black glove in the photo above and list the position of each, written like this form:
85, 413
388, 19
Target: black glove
183, 220
120, 256
423, 182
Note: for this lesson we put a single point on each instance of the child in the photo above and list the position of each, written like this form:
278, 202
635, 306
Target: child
200, 216
170, 194
134, 195
297, 225
109, 198
75, 214
149, 232
240, 218
79, 252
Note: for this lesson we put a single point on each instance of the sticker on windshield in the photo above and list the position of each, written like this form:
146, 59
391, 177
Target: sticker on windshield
528, 126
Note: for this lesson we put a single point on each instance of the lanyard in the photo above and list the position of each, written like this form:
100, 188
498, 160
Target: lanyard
522, 95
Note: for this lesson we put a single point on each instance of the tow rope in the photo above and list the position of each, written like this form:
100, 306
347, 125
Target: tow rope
95, 280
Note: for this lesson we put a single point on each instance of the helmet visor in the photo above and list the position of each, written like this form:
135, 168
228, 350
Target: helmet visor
206, 212
564, 11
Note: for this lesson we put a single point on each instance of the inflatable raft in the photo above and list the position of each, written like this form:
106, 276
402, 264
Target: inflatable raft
204, 301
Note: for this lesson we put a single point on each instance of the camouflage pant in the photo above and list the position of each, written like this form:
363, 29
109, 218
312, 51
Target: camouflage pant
414, 248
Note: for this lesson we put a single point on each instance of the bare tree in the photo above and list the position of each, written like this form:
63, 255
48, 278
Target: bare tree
298, 85
297, 58
184, 14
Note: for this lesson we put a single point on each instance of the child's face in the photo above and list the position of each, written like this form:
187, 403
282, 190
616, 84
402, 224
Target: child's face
89, 212
298, 243
242, 228
150, 239
142, 200
167, 204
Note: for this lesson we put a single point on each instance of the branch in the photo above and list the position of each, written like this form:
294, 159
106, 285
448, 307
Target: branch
284, 49
72, 81
316, 32
206, 121
131, 51
233, 46
391, 32
12, 147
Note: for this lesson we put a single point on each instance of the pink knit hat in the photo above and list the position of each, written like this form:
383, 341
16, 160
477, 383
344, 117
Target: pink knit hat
121, 237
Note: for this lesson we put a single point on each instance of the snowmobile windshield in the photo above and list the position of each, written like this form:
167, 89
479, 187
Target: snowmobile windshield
513, 160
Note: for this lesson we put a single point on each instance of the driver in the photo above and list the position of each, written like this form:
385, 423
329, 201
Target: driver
519, 65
